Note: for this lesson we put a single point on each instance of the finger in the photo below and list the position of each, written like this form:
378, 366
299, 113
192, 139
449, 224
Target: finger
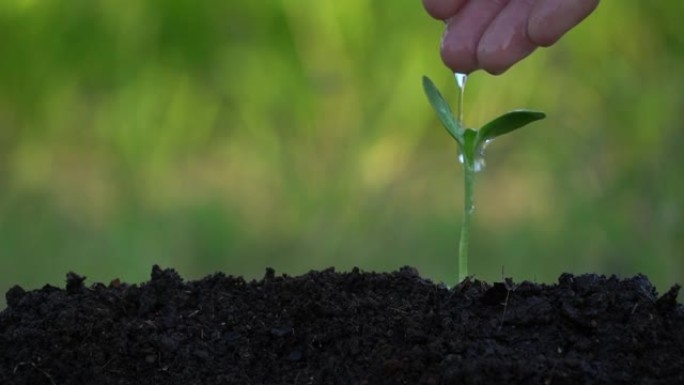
463, 32
505, 41
442, 9
551, 19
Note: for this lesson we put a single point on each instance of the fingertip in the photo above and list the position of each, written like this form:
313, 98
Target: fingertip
442, 9
458, 62
456, 55
496, 68
498, 61
551, 19
541, 33
464, 31
544, 38
505, 41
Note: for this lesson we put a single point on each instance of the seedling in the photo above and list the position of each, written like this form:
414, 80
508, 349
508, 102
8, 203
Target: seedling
471, 145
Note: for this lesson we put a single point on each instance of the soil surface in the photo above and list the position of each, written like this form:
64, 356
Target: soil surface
342, 328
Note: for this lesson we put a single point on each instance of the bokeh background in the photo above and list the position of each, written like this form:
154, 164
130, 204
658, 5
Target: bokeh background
235, 135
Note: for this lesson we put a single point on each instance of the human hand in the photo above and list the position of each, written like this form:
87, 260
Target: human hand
495, 34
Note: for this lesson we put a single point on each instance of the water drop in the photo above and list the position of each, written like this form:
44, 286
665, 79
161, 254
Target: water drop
479, 162
460, 83
461, 80
471, 209
479, 157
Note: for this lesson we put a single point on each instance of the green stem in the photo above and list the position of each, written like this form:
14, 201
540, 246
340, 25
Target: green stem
468, 209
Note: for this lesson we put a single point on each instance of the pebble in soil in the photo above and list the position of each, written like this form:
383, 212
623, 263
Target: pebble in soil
342, 328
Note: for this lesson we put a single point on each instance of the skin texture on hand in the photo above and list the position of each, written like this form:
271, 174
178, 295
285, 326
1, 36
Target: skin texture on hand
493, 35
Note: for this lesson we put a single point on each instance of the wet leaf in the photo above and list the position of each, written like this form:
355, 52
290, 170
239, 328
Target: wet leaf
443, 110
506, 123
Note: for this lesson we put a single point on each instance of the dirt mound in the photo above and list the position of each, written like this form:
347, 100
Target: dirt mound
342, 328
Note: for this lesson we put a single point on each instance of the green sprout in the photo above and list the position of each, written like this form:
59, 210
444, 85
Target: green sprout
471, 145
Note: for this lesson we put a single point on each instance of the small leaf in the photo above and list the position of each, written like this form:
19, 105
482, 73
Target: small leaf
506, 123
443, 110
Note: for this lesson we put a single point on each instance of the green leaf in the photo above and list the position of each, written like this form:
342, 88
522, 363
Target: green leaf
443, 110
506, 123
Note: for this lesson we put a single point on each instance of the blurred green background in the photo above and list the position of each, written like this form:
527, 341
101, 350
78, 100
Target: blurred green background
236, 135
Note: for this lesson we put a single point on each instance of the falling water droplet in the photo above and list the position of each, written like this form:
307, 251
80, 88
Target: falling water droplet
460, 83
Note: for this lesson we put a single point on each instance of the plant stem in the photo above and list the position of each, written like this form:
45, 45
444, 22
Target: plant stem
468, 209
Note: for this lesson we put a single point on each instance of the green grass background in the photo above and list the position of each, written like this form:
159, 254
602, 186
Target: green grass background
235, 135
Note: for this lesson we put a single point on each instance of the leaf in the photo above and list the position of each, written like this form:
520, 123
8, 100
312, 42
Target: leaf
443, 110
506, 123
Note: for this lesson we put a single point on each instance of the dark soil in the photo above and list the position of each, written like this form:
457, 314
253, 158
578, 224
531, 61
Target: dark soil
342, 328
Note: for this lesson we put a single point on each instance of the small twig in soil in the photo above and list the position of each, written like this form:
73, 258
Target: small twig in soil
510, 286
505, 304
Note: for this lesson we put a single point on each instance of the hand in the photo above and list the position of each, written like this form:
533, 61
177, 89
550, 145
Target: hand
495, 34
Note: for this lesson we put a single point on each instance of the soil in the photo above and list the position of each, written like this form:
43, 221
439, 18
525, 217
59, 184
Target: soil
342, 328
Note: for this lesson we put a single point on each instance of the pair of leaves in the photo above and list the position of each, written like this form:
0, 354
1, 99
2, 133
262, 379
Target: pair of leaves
471, 142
